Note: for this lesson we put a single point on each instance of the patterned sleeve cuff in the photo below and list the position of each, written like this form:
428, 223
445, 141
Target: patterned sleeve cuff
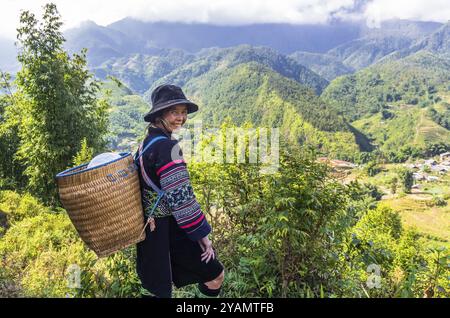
200, 231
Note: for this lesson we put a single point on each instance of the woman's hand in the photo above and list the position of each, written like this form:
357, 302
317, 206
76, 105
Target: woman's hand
208, 251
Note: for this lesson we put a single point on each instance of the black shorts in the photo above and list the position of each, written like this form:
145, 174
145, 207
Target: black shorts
167, 255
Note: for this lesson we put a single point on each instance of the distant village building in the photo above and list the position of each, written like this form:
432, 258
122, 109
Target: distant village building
338, 164
418, 176
412, 166
430, 165
343, 164
440, 168
444, 156
432, 178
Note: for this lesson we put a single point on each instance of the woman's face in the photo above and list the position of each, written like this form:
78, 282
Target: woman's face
176, 116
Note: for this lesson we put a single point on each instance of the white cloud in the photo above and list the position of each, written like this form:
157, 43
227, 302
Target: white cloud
420, 10
222, 12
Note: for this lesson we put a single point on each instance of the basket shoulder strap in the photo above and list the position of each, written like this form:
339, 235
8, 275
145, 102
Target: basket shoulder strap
139, 159
141, 152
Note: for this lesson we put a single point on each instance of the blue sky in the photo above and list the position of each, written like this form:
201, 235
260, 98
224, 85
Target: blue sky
228, 12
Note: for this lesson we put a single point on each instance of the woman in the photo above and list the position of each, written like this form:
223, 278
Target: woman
177, 248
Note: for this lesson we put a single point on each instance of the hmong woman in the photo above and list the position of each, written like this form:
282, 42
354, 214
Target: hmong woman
177, 248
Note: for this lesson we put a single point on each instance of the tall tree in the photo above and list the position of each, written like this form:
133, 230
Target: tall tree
58, 102
11, 171
406, 179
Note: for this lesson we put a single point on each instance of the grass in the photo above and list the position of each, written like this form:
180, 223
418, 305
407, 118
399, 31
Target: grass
428, 131
432, 222
416, 209
409, 126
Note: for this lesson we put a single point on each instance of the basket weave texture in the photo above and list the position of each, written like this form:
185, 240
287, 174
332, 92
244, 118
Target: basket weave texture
104, 204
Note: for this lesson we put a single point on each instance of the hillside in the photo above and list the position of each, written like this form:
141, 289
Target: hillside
102, 43
247, 92
325, 65
140, 71
216, 58
131, 36
409, 127
438, 43
414, 80
399, 104
360, 53
126, 123
251, 92
374, 44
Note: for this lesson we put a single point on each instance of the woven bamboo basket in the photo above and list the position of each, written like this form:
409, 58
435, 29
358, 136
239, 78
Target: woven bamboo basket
104, 204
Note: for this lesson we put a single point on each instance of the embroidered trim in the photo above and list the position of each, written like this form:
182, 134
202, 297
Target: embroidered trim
170, 164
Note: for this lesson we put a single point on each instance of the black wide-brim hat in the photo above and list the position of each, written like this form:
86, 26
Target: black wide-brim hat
165, 96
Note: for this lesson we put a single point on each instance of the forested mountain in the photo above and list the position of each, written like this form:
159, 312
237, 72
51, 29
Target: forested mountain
327, 66
125, 115
419, 79
144, 72
140, 71
413, 80
396, 99
395, 68
217, 58
364, 52
246, 93
102, 42
254, 93
437, 42
375, 43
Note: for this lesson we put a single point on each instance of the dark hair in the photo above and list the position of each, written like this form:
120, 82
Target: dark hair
156, 120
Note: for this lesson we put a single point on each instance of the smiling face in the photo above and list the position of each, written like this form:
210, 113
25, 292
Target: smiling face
175, 117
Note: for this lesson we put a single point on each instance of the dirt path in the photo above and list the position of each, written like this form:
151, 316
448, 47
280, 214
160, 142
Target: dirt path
419, 125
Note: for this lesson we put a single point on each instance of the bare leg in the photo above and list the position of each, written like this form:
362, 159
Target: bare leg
216, 283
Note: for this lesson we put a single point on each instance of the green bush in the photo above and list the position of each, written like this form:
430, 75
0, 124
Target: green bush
373, 191
19, 206
37, 251
372, 168
406, 179
294, 233
437, 201
393, 183
379, 222
373, 245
